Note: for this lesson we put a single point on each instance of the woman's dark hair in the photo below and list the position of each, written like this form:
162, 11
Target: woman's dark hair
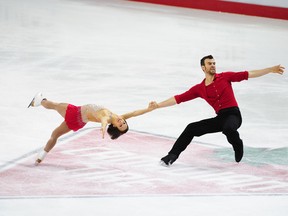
114, 132
202, 61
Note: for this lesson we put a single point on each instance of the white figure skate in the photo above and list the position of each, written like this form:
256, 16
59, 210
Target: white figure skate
36, 101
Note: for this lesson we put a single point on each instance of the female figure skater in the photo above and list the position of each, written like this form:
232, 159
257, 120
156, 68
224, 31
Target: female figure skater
76, 117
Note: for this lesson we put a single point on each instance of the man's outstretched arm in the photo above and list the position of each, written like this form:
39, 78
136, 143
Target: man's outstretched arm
169, 102
257, 73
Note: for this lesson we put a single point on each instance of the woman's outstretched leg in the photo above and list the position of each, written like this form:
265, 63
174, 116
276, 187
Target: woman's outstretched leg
59, 107
59, 131
39, 100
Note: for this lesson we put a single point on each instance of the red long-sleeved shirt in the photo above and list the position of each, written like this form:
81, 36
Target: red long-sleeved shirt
219, 94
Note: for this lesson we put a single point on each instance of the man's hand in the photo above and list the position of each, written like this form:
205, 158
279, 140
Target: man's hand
153, 105
275, 69
169, 102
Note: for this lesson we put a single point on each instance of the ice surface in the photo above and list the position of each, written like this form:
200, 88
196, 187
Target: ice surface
122, 55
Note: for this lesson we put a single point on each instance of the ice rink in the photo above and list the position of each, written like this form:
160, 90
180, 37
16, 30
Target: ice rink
122, 55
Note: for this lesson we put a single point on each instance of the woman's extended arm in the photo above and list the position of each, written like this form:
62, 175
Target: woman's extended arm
275, 69
104, 123
137, 112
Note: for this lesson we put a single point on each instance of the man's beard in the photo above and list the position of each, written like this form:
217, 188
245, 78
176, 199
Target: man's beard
212, 71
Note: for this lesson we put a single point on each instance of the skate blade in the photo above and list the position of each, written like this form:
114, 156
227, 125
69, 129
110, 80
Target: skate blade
31, 103
162, 163
37, 162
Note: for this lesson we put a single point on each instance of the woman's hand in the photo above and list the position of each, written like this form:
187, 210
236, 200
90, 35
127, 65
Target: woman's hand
153, 105
278, 69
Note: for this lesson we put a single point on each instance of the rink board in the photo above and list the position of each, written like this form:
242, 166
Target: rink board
83, 164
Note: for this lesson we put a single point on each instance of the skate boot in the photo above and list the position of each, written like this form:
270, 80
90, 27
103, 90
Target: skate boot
42, 154
36, 101
168, 160
238, 149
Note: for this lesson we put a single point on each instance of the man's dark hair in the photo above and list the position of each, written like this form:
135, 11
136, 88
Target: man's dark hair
202, 61
114, 132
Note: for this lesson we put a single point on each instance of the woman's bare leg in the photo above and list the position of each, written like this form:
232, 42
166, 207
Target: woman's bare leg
59, 131
59, 107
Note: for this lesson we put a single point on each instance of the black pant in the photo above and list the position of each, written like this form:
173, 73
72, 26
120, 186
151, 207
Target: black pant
227, 121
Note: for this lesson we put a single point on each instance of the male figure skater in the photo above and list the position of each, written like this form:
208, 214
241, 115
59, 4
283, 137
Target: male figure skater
217, 90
